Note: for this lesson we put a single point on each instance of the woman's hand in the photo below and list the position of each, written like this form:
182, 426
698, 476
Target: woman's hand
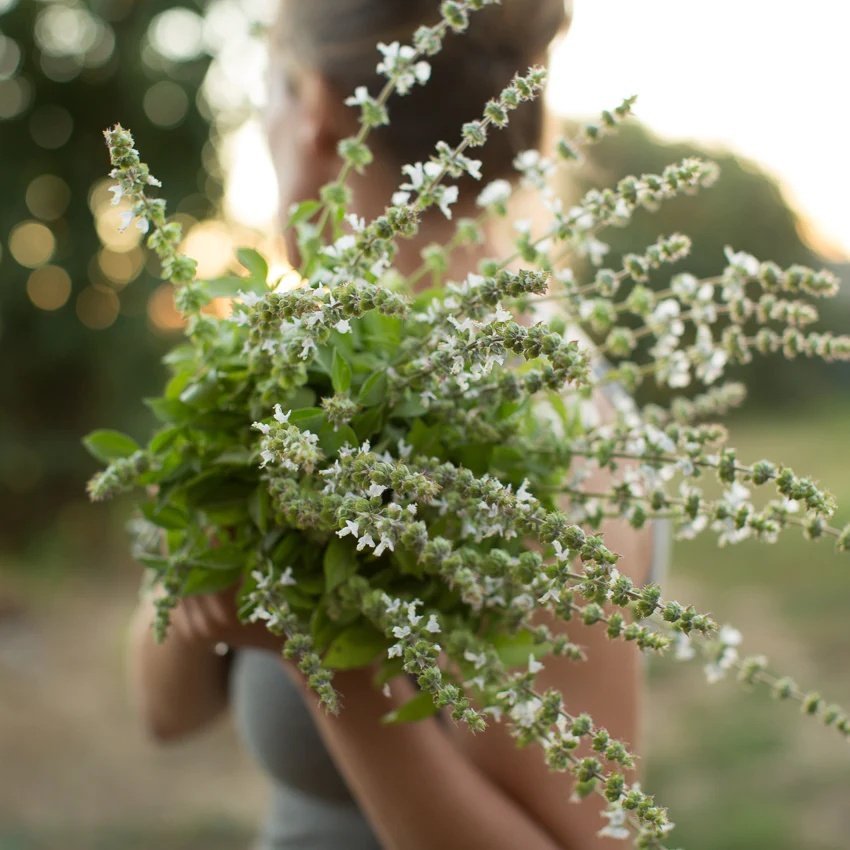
207, 619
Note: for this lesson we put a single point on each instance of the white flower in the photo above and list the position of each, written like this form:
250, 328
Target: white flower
280, 416
525, 160
307, 346
286, 578
477, 660
525, 713
615, 827
432, 625
343, 326
683, 648
249, 299
551, 595
401, 632
730, 636
534, 666
383, 544
375, 490
394, 651
412, 616
360, 96
117, 194
351, 528
448, 196
561, 555
364, 541
741, 262
126, 220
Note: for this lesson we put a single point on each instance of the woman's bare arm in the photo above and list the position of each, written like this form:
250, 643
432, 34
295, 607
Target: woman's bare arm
416, 786
178, 686
424, 786
608, 686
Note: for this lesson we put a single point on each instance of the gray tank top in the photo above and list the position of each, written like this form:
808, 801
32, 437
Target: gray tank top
311, 807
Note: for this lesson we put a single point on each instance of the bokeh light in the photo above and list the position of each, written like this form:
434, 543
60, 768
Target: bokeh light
49, 287
66, 30
121, 268
177, 34
48, 197
15, 96
51, 126
32, 244
211, 242
10, 56
97, 307
162, 314
251, 190
6, 5
166, 103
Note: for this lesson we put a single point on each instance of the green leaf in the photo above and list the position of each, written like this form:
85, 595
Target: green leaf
513, 650
332, 440
216, 489
254, 262
259, 507
476, 457
165, 516
339, 563
382, 332
410, 408
108, 445
417, 708
374, 389
355, 646
303, 211
308, 418
201, 393
227, 287
170, 411
163, 439
322, 628
424, 439
340, 373
408, 562
200, 580
225, 557
369, 422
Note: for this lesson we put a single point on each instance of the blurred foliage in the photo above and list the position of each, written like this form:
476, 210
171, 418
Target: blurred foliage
86, 353
746, 210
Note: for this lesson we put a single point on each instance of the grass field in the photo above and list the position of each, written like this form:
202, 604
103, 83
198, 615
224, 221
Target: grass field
737, 770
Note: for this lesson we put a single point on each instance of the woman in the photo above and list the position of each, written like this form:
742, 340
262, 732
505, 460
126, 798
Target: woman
349, 781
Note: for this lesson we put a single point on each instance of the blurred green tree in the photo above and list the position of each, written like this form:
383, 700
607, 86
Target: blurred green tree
746, 210
76, 348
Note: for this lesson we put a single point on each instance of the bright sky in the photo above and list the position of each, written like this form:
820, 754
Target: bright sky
765, 78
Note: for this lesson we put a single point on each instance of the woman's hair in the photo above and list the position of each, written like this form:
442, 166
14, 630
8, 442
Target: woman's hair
338, 39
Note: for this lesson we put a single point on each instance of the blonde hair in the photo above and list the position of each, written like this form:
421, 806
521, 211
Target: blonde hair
337, 38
